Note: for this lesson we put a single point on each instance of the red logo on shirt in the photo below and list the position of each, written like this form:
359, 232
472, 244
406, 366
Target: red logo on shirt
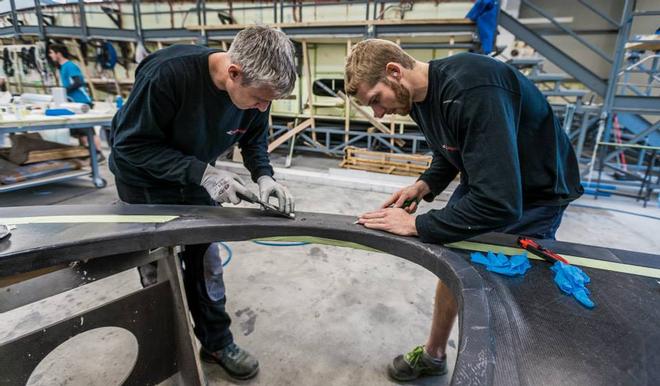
449, 148
237, 131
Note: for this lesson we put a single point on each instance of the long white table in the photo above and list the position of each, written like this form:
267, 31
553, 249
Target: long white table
40, 122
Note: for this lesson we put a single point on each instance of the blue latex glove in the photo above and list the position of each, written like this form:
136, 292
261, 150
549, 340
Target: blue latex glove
572, 280
516, 265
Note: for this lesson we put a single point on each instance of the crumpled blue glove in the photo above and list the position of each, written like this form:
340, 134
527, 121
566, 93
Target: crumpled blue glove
516, 265
572, 280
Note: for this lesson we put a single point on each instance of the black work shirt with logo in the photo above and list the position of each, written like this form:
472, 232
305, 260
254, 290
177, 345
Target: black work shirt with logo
177, 121
485, 120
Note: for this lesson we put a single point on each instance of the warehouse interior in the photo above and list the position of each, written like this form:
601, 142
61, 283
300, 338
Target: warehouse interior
323, 297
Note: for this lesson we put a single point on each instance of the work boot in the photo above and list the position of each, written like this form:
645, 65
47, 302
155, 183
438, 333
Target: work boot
415, 364
238, 363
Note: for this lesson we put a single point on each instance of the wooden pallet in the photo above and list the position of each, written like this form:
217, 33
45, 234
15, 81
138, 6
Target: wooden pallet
37, 171
388, 163
30, 148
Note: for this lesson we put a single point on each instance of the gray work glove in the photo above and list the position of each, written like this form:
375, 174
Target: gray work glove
268, 187
224, 186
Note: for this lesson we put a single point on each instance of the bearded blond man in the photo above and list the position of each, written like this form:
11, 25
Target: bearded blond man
483, 120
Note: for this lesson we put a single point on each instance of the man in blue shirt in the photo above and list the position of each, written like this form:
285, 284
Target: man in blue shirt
73, 80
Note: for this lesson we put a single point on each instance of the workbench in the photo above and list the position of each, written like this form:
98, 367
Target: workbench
39, 122
512, 330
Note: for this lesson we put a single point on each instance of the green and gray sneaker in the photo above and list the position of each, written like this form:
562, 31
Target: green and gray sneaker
238, 363
415, 364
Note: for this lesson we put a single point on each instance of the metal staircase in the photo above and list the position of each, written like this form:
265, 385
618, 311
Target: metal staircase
629, 114
553, 53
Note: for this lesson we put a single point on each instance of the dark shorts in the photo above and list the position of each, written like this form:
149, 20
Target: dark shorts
78, 133
541, 221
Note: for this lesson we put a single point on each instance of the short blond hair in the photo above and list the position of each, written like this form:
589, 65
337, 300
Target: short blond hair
367, 60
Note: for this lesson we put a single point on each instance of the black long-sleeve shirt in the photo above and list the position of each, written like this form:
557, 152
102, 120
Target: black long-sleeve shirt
177, 121
485, 120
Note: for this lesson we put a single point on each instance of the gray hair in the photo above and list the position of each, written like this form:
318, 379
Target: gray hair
266, 57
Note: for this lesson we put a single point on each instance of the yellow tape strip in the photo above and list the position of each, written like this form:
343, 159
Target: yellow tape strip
574, 260
479, 247
93, 218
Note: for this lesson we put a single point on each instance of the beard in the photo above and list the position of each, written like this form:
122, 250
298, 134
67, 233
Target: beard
402, 95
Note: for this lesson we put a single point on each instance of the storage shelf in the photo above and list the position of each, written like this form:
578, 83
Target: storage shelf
47, 180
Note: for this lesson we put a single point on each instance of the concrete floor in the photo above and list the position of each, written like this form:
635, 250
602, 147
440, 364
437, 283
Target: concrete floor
314, 312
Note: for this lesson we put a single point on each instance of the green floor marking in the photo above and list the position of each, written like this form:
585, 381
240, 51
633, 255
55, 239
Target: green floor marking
320, 240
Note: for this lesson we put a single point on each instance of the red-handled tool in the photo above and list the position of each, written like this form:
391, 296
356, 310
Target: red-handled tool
538, 250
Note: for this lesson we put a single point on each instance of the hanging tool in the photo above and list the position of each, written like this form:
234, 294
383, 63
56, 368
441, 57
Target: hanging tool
536, 248
106, 56
7, 64
266, 206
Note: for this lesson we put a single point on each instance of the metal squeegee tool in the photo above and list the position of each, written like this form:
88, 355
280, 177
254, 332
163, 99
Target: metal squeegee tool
267, 206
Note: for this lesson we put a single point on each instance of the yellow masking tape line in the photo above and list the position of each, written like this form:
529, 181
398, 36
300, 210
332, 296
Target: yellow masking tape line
81, 219
471, 246
575, 260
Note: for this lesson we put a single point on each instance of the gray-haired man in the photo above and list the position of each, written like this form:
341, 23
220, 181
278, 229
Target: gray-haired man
189, 104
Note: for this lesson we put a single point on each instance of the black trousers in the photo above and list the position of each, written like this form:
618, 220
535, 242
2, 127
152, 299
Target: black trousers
202, 280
